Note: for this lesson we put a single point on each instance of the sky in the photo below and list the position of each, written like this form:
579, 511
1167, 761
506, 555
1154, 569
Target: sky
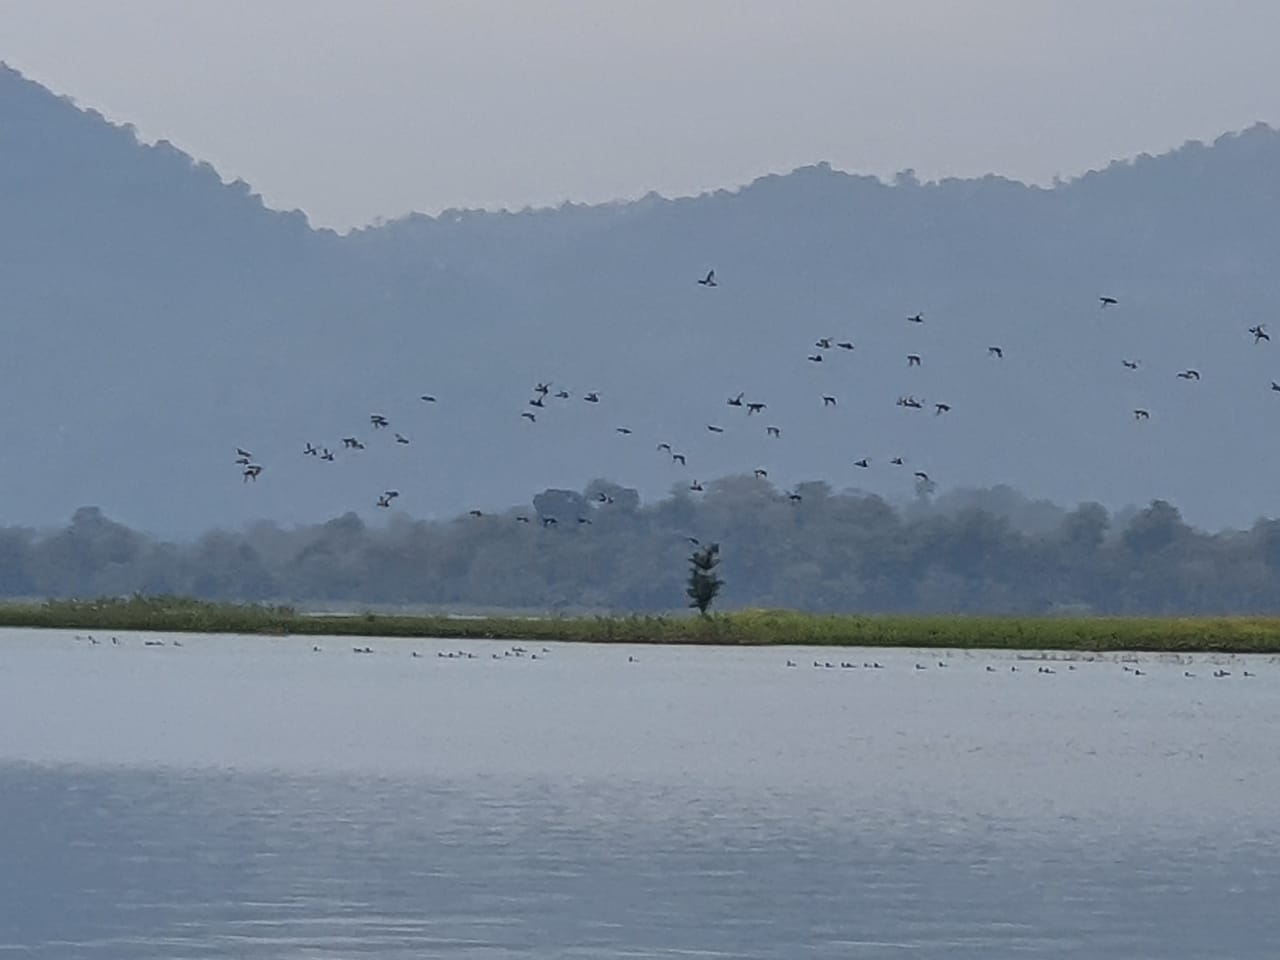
353, 111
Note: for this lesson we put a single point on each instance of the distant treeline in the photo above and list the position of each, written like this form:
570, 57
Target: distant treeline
989, 551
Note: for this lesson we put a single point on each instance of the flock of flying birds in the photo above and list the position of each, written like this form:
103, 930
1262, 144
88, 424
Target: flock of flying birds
544, 398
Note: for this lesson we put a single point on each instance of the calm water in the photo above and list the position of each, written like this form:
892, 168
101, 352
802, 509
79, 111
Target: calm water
255, 799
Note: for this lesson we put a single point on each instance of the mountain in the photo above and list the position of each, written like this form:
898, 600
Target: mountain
157, 318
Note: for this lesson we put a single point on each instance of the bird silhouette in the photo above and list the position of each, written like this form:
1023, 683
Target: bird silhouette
379, 421
754, 408
913, 359
714, 429
815, 358
401, 438
625, 431
1259, 334
310, 451
427, 398
709, 280
735, 401
1108, 301
773, 431
760, 473
996, 352
244, 453
1141, 415
824, 343
665, 446
918, 318
864, 463
845, 345
897, 461
531, 417
592, 397
252, 472
1189, 375
696, 486
678, 458
1130, 364
921, 476
941, 408
828, 400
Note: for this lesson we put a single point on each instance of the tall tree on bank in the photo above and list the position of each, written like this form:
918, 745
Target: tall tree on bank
703, 582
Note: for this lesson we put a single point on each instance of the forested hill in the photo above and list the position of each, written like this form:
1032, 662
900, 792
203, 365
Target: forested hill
158, 318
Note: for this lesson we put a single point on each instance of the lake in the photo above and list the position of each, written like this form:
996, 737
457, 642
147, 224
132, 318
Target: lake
255, 798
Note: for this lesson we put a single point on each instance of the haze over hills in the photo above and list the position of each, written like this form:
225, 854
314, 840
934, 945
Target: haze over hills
157, 318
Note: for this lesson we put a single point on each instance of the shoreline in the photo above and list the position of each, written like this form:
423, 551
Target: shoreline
783, 628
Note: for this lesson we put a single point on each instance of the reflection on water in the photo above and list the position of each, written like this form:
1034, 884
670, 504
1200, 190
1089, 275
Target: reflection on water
253, 799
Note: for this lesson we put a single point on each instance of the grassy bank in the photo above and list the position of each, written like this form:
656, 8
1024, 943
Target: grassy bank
749, 627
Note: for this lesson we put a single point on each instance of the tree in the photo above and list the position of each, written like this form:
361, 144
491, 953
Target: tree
703, 582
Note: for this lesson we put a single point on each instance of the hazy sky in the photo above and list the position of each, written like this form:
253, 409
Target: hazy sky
353, 109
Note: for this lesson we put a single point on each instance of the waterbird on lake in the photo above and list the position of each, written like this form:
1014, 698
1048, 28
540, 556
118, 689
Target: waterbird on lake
1108, 301
584, 519
522, 519
709, 280
996, 352
549, 521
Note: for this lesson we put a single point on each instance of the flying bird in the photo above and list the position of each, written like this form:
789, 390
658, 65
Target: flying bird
845, 345
828, 401
996, 352
327, 454
1260, 333
773, 431
921, 476
815, 357
760, 473
592, 397
1189, 375
625, 431
243, 453
913, 359
310, 451
542, 388
794, 497
941, 408
714, 429
401, 438
918, 318
824, 343
678, 458
562, 394
379, 421
696, 486
474, 513
530, 416
1141, 415
427, 398
709, 280
1108, 301
864, 463
754, 408
665, 446
252, 472
1130, 364
735, 401
897, 461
